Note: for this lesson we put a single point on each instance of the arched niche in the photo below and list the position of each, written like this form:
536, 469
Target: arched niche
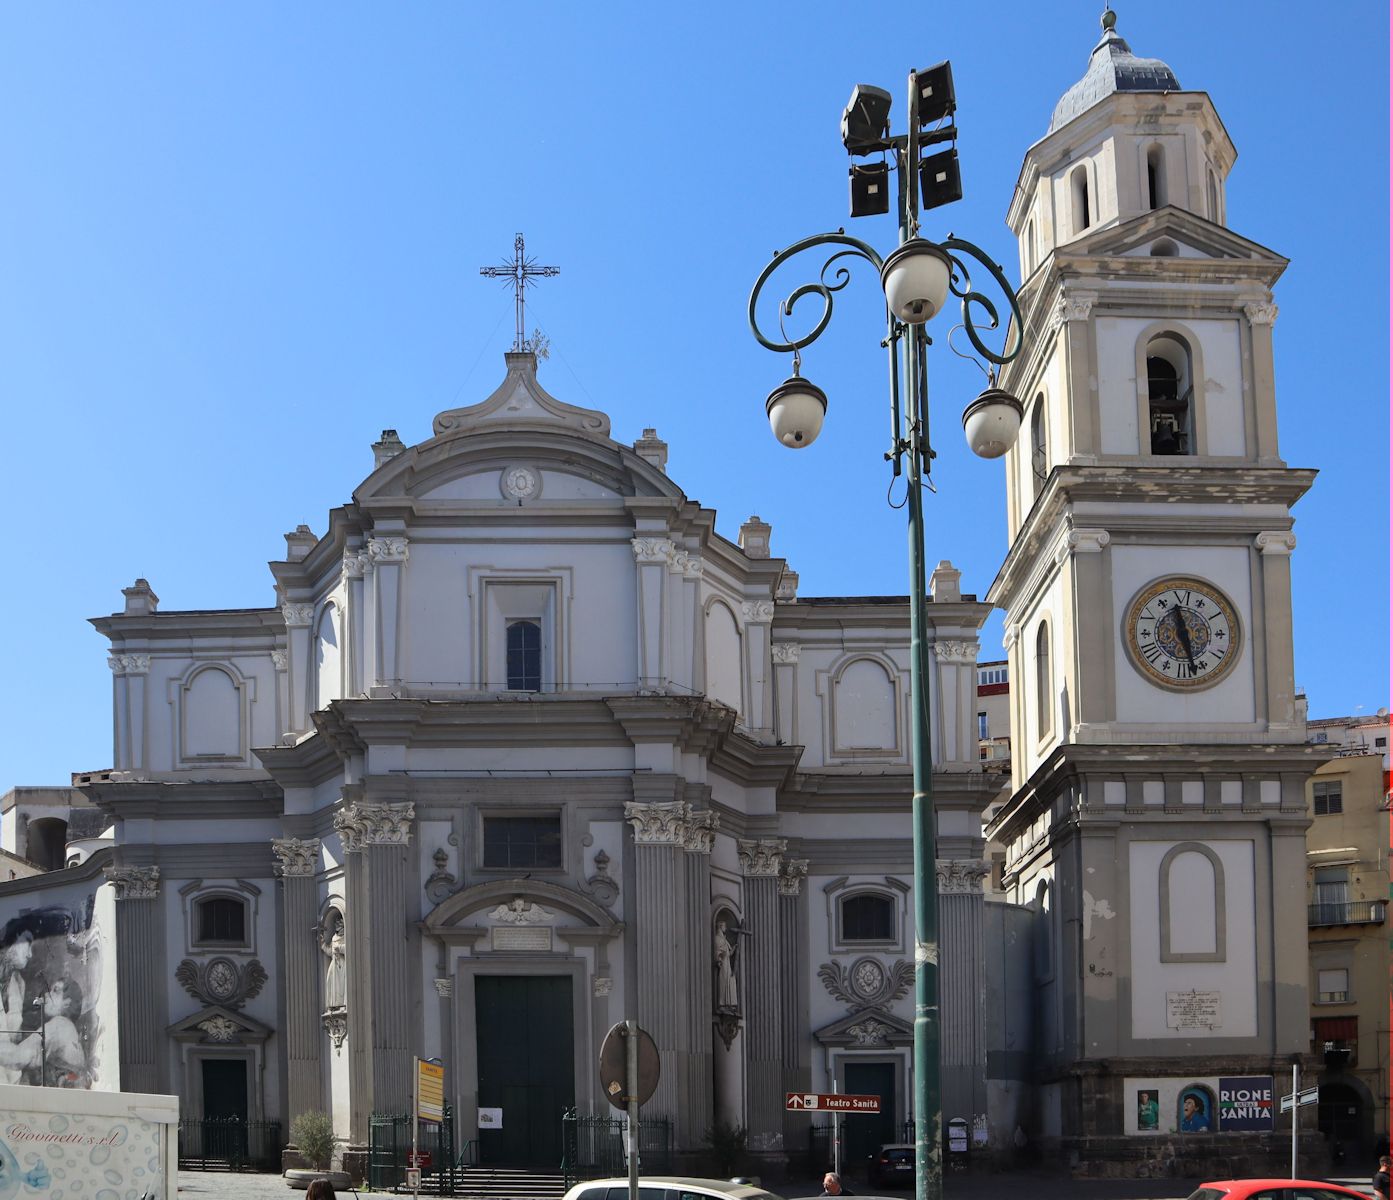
724, 655
211, 713
328, 661
1193, 926
865, 707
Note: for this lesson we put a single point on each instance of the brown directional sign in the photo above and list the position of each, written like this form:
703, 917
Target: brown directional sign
830, 1102
613, 1058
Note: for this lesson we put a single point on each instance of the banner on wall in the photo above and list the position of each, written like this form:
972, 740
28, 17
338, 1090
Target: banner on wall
1245, 1103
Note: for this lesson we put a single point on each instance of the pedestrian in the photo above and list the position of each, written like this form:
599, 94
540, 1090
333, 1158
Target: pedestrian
832, 1185
320, 1189
1385, 1167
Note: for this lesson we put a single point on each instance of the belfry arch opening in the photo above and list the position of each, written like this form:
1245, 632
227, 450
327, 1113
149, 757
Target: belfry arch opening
1170, 396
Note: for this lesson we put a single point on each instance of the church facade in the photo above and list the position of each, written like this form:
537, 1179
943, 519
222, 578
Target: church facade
525, 748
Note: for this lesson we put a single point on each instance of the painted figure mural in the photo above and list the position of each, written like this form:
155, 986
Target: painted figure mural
50, 982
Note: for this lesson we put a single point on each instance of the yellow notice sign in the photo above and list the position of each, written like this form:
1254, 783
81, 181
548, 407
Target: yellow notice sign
430, 1090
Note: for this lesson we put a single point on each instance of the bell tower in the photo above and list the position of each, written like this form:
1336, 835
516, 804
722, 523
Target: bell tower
1158, 752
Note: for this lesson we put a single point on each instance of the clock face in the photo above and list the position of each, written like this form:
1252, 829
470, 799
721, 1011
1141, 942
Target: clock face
1182, 633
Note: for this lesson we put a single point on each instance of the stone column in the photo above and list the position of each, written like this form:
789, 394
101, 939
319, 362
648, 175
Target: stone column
796, 1030
696, 1066
651, 554
961, 987
661, 913
785, 692
759, 617
302, 970
388, 556
761, 994
297, 635
383, 959
141, 978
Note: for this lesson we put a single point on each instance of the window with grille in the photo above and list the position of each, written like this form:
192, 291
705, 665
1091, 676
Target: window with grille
868, 918
982, 734
1332, 987
222, 919
1328, 798
522, 842
524, 656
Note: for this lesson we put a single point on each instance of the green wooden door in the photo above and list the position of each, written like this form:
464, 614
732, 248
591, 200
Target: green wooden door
864, 1133
523, 1026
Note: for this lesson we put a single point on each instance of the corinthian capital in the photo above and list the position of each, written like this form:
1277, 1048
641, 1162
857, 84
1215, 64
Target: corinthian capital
699, 832
362, 825
791, 876
295, 857
134, 883
786, 652
759, 612
1260, 312
297, 615
960, 876
955, 652
1076, 306
761, 857
388, 549
652, 549
356, 563
661, 824
129, 664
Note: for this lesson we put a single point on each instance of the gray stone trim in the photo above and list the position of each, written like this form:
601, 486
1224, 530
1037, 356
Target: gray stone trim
1219, 953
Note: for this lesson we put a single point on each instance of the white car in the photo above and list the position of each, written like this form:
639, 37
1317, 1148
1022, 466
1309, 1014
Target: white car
668, 1187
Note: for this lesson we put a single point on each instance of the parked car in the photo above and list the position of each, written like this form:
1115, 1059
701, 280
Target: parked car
893, 1165
668, 1187
1274, 1189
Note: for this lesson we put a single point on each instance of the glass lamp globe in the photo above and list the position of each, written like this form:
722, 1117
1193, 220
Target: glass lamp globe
991, 422
915, 278
795, 409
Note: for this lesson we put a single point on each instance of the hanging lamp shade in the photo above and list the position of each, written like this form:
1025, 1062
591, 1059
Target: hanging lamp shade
915, 279
991, 422
795, 410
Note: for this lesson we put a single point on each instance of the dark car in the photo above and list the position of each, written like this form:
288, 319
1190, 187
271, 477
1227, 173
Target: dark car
893, 1165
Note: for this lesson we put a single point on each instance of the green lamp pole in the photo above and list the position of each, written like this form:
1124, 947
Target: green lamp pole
917, 276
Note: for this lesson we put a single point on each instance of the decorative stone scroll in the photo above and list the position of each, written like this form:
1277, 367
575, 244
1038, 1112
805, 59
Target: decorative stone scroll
440, 882
1081, 541
602, 886
445, 988
388, 550
221, 981
336, 1026
361, 825
1260, 312
761, 857
867, 983
685, 563
519, 911
295, 857
134, 883
791, 875
1275, 542
129, 664
220, 1029
758, 612
356, 563
1076, 306
280, 660
786, 652
958, 876
870, 1032
964, 653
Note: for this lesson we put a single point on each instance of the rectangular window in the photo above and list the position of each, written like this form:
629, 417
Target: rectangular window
524, 656
1332, 987
982, 734
1328, 798
522, 842
1380, 743
222, 920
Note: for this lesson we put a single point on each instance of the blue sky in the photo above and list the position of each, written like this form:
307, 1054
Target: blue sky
239, 241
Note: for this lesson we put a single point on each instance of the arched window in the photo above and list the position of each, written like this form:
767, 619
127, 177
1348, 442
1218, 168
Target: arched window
222, 920
1078, 186
1156, 177
1042, 943
867, 917
1213, 189
524, 656
1169, 392
1028, 245
1043, 687
1039, 458
46, 840
326, 658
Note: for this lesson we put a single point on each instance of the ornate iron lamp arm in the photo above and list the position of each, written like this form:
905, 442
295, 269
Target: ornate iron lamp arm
823, 287
960, 284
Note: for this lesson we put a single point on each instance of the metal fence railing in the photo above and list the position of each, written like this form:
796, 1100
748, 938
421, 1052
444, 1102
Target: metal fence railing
230, 1144
593, 1147
389, 1151
1349, 912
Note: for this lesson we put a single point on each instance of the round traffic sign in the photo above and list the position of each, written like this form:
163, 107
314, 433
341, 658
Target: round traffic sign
614, 1057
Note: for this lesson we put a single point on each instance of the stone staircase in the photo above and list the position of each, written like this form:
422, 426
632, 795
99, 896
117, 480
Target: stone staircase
509, 1183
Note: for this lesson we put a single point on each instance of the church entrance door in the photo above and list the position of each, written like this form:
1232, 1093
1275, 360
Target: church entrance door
865, 1133
523, 1027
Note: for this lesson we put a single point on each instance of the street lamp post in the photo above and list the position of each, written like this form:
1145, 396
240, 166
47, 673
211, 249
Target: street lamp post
917, 277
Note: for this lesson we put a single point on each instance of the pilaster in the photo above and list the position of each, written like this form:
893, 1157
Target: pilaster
297, 864
762, 999
388, 556
785, 657
1274, 550
758, 620
140, 935
962, 989
796, 1028
651, 555
297, 636
129, 672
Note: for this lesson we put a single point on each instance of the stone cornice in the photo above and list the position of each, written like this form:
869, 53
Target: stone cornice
201, 799
33, 886
755, 764
203, 623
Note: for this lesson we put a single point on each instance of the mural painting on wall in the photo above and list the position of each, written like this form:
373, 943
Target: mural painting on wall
50, 980
1148, 1109
1194, 1111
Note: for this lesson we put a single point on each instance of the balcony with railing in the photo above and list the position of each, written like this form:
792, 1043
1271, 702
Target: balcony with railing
1346, 912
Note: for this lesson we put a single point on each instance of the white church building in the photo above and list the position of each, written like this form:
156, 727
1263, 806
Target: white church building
524, 747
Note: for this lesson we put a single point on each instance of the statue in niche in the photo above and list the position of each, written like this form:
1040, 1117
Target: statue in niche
727, 992
333, 946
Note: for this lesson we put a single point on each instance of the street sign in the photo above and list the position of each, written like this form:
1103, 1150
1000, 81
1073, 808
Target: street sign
614, 1064
430, 1090
1296, 1099
830, 1102
413, 1178
418, 1158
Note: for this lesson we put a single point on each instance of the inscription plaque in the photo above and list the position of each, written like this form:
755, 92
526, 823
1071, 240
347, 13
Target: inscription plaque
1193, 1010
520, 937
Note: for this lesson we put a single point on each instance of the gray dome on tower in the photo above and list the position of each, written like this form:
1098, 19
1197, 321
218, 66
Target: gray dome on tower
1112, 67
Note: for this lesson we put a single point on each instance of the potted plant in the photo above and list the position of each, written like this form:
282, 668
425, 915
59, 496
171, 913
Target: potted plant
313, 1135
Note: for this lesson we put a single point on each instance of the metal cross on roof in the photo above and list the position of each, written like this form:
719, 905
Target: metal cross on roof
519, 273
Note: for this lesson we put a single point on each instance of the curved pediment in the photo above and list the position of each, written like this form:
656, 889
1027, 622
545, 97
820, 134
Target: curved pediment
481, 900
520, 399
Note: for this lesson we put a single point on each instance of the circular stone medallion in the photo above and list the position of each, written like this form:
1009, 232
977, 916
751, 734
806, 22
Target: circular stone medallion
520, 483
